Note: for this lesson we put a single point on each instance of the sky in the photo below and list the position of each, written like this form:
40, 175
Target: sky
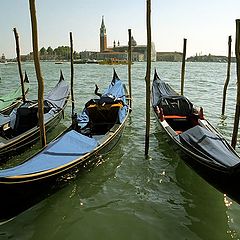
206, 24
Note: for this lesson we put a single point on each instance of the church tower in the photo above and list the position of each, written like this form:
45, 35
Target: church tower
103, 37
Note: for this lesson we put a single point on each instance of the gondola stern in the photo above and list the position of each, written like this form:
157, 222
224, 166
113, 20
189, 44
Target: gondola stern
156, 77
115, 77
61, 76
26, 80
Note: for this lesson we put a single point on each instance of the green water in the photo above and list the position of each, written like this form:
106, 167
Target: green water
125, 196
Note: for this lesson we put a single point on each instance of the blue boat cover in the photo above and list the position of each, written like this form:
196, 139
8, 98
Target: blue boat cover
59, 94
115, 91
160, 89
4, 119
83, 118
64, 150
211, 145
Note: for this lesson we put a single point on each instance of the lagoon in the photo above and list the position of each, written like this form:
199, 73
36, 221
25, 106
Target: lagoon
124, 195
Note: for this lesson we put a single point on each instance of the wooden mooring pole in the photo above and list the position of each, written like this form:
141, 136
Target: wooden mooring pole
228, 74
237, 112
130, 66
19, 63
38, 73
147, 78
72, 73
183, 64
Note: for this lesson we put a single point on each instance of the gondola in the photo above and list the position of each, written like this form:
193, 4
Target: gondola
19, 129
13, 98
198, 142
95, 131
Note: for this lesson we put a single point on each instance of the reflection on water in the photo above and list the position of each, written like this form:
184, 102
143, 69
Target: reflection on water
198, 197
123, 195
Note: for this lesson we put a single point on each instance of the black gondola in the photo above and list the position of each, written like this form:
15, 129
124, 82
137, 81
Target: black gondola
200, 144
19, 129
95, 131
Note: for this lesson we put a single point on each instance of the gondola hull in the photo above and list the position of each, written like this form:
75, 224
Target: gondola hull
19, 194
19, 130
8, 109
77, 148
213, 173
27, 139
197, 142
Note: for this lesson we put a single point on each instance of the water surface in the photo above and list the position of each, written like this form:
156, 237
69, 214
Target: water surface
125, 195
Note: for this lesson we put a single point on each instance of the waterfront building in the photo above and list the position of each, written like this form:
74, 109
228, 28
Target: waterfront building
169, 56
103, 37
139, 52
3, 59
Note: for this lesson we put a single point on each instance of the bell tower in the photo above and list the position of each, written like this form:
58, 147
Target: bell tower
103, 36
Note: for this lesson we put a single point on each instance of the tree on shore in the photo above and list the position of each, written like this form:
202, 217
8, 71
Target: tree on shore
59, 53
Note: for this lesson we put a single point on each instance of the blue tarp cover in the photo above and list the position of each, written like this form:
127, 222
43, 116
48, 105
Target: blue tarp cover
60, 152
4, 119
210, 144
116, 90
160, 89
58, 95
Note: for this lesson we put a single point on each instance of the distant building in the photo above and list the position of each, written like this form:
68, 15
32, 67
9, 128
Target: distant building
103, 37
209, 58
169, 56
139, 52
3, 59
85, 55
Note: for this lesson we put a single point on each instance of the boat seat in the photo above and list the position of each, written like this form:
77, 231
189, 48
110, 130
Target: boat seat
178, 132
103, 116
175, 105
27, 116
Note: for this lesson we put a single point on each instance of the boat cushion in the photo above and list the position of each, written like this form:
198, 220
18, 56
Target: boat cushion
64, 150
209, 144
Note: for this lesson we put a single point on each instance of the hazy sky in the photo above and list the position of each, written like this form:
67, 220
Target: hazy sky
205, 23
